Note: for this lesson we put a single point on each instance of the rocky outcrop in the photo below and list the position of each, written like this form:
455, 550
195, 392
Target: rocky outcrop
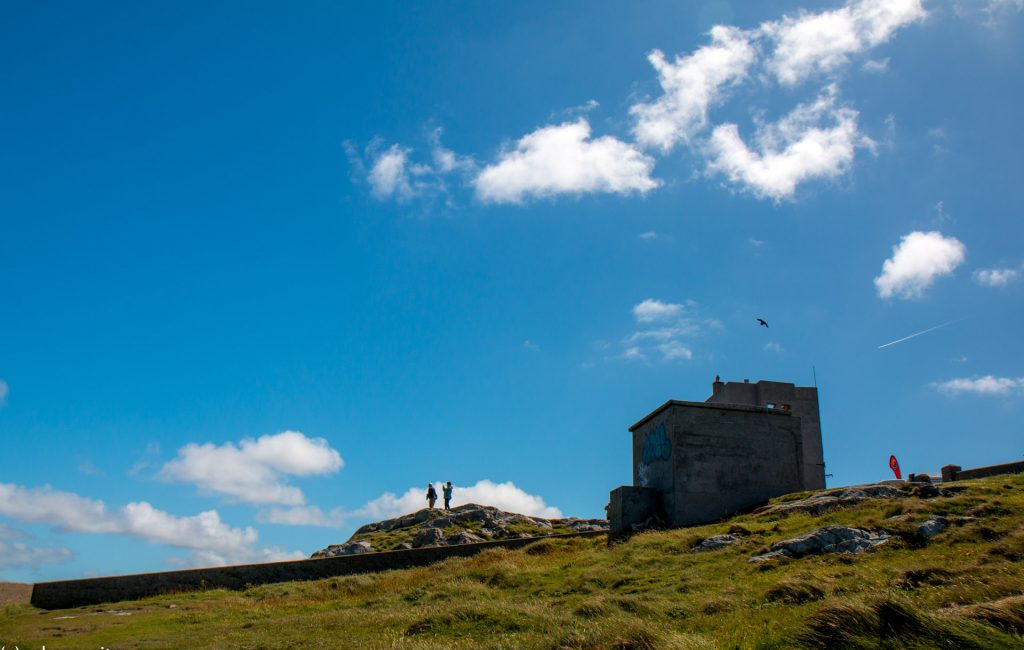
716, 542
466, 524
831, 499
348, 548
830, 539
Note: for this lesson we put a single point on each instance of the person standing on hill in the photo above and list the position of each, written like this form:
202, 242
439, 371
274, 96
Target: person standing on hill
447, 489
431, 495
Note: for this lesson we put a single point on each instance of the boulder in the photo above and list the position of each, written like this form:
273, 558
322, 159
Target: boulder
932, 527
428, 537
830, 539
716, 542
462, 537
348, 548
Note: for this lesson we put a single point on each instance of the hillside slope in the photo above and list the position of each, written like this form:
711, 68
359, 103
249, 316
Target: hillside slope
941, 569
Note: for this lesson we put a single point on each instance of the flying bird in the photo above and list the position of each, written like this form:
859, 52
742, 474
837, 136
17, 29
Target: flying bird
761, 320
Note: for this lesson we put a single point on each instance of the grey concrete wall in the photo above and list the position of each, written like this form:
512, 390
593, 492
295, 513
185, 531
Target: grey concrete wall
91, 591
631, 505
803, 402
722, 459
981, 472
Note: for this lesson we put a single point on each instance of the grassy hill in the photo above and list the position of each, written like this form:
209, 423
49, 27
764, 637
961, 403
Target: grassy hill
963, 588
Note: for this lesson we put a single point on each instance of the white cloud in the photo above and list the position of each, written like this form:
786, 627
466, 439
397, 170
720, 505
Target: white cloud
674, 350
996, 277
389, 177
564, 159
4, 389
876, 66
530, 345
669, 327
990, 13
987, 385
793, 150
504, 496
211, 540
65, 511
917, 261
651, 310
254, 470
302, 516
690, 86
16, 553
633, 353
772, 346
819, 43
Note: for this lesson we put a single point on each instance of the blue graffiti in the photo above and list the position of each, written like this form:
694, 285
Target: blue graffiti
657, 445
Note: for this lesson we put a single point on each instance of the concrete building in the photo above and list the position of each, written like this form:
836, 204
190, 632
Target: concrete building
696, 462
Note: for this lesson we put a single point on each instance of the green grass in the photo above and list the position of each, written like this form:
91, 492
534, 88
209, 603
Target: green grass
963, 589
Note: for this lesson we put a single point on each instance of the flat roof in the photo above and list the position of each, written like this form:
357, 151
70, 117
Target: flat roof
706, 405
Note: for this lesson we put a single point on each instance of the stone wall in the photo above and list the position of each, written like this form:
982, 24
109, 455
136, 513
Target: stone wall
955, 473
711, 461
15, 593
90, 591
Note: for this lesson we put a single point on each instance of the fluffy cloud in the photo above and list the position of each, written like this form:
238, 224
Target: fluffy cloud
211, 540
253, 471
996, 277
505, 496
667, 330
16, 553
876, 66
302, 516
795, 149
917, 261
987, 385
564, 159
690, 86
389, 176
673, 350
815, 43
654, 310
817, 140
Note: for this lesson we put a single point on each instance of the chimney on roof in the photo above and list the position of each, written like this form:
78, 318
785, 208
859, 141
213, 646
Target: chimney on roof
746, 381
716, 385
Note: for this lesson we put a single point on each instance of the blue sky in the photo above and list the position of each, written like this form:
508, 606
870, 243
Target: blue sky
268, 271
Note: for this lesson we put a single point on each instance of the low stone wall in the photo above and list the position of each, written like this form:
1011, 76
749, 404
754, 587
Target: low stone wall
15, 593
91, 591
955, 473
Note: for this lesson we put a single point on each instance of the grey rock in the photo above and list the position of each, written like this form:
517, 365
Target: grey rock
404, 546
831, 499
716, 542
428, 537
830, 539
932, 527
462, 537
348, 548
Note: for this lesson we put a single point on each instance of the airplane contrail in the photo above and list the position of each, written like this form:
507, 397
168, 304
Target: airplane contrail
930, 329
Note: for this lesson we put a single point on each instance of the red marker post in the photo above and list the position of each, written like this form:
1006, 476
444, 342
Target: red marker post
894, 465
